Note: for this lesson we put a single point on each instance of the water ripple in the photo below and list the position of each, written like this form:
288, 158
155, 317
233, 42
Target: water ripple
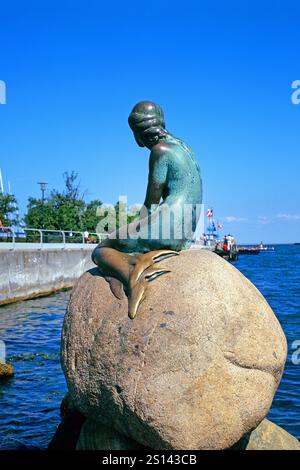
29, 403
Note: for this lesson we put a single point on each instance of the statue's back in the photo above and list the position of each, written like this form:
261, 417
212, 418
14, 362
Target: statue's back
184, 178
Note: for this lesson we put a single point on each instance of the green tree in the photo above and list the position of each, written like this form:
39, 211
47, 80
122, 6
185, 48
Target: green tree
124, 215
72, 186
61, 210
8, 210
67, 210
40, 214
90, 218
69, 205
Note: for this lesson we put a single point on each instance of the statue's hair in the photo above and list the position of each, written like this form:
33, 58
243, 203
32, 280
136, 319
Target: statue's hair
147, 119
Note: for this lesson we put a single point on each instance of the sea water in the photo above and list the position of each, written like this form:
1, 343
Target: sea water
29, 402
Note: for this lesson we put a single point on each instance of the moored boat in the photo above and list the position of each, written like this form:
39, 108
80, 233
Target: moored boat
255, 250
245, 250
264, 248
225, 247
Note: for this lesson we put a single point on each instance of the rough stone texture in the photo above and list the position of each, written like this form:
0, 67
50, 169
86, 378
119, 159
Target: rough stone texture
97, 436
196, 369
6, 371
269, 436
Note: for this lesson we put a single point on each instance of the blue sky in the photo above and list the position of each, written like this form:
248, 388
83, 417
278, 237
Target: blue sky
222, 73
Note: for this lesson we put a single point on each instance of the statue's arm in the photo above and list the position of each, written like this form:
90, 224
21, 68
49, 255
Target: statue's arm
158, 169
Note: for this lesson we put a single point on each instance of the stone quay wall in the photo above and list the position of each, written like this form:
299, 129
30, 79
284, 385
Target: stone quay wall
28, 271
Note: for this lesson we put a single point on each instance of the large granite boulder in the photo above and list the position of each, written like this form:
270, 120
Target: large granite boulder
196, 369
97, 436
267, 436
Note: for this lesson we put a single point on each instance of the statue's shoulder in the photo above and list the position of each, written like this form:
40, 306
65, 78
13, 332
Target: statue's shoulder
162, 149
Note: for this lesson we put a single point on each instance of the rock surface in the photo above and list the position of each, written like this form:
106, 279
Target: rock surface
97, 436
196, 369
268, 436
6, 371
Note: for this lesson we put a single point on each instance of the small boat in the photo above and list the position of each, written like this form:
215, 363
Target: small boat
227, 248
210, 240
245, 250
229, 255
262, 247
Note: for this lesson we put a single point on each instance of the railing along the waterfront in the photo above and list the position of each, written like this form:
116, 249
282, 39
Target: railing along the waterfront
44, 237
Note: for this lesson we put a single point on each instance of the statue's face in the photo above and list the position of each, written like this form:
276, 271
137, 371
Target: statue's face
138, 140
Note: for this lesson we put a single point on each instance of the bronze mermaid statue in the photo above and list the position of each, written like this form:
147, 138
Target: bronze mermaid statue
168, 219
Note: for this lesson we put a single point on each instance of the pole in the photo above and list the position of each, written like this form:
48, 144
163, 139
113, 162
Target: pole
43, 185
43, 189
1, 183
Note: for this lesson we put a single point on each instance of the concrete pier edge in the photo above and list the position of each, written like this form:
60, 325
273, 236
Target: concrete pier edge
29, 273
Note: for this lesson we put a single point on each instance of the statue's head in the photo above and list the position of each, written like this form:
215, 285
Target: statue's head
146, 120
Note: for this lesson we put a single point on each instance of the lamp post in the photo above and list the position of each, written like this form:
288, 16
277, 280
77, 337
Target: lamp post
43, 189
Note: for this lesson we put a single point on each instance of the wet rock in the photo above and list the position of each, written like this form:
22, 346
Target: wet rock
268, 436
6, 371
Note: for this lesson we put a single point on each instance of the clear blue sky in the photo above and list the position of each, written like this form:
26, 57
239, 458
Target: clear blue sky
222, 73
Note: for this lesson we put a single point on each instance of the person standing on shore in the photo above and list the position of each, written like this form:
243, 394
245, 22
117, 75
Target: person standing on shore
86, 236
